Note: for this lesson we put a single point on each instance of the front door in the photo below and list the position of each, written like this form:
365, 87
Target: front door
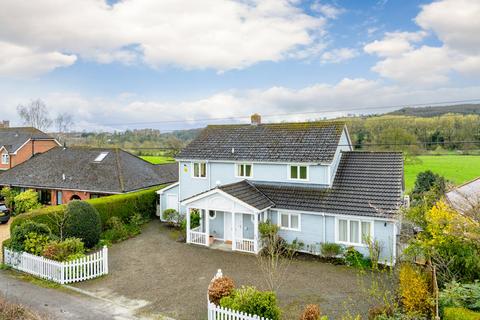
239, 226
228, 230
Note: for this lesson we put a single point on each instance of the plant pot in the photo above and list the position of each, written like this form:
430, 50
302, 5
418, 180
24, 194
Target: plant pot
211, 239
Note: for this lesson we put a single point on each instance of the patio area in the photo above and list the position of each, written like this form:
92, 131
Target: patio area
172, 278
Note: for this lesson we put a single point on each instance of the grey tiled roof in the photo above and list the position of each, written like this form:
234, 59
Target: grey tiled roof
119, 171
287, 142
248, 193
366, 184
14, 138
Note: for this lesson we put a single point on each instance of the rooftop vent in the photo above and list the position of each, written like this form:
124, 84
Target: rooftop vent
101, 156
256, 119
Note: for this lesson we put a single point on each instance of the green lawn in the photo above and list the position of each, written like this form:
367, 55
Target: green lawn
455, 168
158, 159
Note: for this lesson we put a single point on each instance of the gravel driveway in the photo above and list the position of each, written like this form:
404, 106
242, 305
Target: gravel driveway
171, 278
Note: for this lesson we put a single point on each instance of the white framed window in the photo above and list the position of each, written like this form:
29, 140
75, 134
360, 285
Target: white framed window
289, 221
353, 231
5, 158
199, 170
243, 170
298, 172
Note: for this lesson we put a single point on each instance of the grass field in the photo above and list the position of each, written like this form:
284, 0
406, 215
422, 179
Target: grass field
455, 168
158, 159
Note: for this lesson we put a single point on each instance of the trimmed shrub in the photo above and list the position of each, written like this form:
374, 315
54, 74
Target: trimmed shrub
250, 300
460, 314
122, 206
219, 288
311, 312
26, 201
116, 230
331, 250
69, 249
415, 291
21, 232
83, 221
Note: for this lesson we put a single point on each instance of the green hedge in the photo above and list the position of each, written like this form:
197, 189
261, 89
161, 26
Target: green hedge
460, 314
121, 205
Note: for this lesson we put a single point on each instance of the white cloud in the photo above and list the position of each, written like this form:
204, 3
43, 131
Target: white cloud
17, 60
312, 102
328, 10
222, 35
405, 59
338, 55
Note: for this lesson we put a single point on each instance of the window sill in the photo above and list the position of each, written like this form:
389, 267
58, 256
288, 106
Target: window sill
201, 178
351, 244
290, 229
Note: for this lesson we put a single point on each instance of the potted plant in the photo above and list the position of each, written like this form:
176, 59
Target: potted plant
211, 239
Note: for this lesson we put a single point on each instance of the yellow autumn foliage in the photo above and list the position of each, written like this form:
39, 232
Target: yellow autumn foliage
415, 291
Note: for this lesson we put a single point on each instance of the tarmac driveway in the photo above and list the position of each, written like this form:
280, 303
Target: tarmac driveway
171, 278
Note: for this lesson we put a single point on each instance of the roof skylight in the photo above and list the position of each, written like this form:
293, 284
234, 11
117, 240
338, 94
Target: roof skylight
101, 156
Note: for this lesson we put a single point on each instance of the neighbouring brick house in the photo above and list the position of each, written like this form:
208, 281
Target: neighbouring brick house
64, 174
20, 144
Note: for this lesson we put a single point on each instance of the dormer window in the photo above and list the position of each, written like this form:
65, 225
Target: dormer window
5, 158
100, 157
298, 172
199, 170
244, 170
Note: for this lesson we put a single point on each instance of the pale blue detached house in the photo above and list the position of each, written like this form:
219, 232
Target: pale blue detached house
304, 177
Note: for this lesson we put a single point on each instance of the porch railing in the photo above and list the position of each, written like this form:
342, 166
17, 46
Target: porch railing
198, 237
245, 245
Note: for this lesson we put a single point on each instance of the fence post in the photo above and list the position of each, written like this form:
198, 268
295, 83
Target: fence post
105, 259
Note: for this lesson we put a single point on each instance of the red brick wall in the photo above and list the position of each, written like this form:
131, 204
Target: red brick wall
25, 153
68, 194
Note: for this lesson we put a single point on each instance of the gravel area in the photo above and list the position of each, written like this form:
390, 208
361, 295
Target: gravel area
171, 278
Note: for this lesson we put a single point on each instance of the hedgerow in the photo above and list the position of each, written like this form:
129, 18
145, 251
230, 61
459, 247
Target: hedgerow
123, 206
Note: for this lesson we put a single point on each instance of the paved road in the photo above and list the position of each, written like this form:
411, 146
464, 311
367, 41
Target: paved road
4, 234
60, 303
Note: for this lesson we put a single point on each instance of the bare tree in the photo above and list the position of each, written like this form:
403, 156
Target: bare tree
35, 114
63, 123
275, 256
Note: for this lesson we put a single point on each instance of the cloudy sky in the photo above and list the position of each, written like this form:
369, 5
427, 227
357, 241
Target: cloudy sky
172, 64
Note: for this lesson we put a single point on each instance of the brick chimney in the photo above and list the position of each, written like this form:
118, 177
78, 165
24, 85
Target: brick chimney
5, 124
256, 119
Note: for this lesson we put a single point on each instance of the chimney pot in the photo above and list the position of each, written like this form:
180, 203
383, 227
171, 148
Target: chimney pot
256, 119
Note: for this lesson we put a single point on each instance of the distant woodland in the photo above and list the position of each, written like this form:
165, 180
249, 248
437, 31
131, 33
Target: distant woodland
413, 130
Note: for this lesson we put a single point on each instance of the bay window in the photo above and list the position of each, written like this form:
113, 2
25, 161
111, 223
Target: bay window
352, 231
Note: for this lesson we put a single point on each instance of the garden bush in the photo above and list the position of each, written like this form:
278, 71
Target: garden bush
83, 221
123, 206
354, 258
26, 201
116, 230
250, 300
66, 250
21, 232
460, 314
312, 312
331, 250
219, 288
461, 295
415, 290
171, 216
8, 195
35, 243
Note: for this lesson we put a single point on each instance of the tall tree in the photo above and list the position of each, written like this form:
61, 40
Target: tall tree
63, 124
35, 114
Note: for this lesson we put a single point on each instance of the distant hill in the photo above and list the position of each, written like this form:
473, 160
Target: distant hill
438, 111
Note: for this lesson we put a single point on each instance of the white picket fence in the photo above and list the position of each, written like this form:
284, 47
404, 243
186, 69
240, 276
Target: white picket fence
218, 313
88, 267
